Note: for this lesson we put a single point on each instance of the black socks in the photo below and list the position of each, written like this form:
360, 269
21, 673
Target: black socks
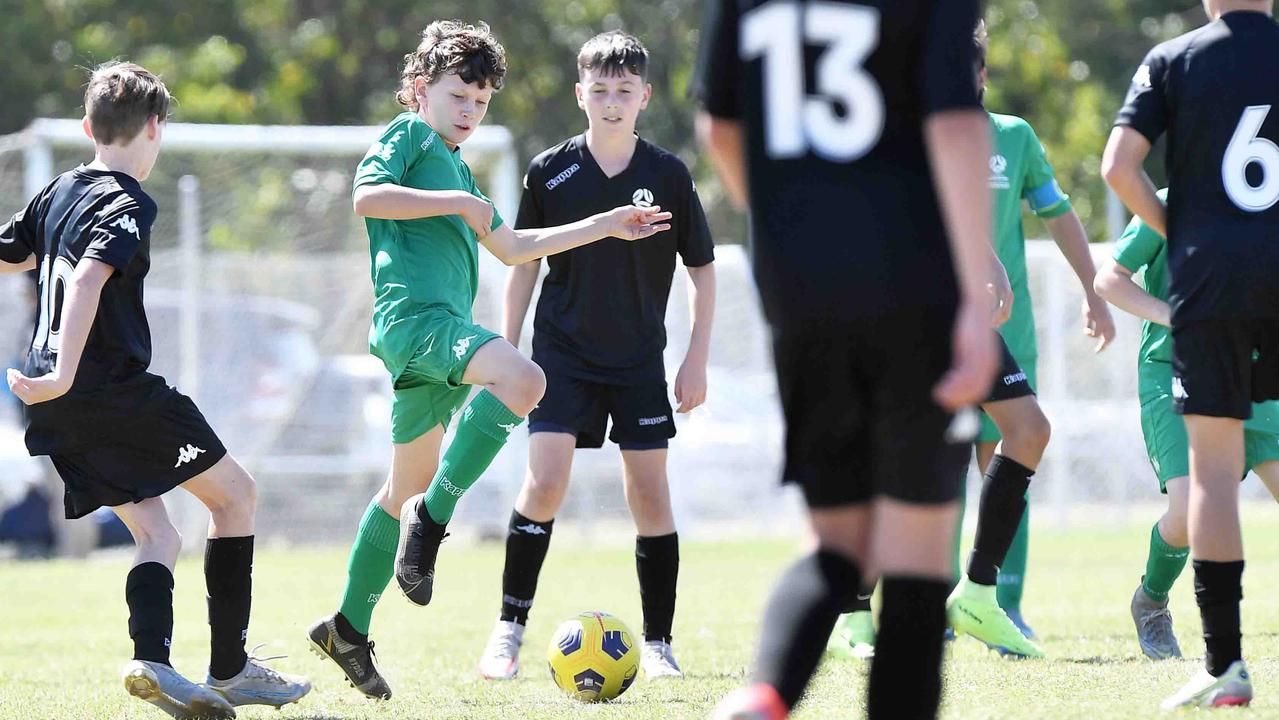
526, 544
228, 576
148, 590
1003, 502
1218, 591
657, 565
908, 649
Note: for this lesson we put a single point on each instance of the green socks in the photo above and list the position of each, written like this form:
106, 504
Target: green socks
1163, 565
1012, 574
370, 567
486, 423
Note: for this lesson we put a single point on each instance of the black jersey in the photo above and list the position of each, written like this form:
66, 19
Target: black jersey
1214, 92
88, 214
602, 312
833, 96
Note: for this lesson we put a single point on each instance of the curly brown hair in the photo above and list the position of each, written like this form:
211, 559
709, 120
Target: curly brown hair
119, 99
447, 46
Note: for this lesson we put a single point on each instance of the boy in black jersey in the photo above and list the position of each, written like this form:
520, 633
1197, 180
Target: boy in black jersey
599, 333
1213, 91
868, 107
118, 435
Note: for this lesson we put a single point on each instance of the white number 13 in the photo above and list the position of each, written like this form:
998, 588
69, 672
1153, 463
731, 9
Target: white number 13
794, 123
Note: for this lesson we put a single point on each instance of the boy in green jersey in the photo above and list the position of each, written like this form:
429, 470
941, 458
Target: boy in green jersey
1142, 250
1019, 171
426, 219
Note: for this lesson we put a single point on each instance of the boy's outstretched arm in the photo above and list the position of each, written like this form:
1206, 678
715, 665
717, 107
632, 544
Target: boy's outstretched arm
628, 222
1114, 283
690, 382
1121, 166
79, 308
1068, 232
519, 293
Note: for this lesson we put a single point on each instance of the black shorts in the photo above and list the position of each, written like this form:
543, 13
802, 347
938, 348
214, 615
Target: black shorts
1011, 382
861, 421
1221, 367
130, 445
641, 412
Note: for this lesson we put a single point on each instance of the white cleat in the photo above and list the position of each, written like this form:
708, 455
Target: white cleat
1234, 687
258, 684
164, 688
658, 660
501, 658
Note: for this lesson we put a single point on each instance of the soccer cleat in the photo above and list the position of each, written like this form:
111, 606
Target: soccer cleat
1022, 625
973, 609
854, 636
501, 658
415, 558
1154, 626
355, 660
753, 702
163, 687
658, 660
1234, 687
258, 684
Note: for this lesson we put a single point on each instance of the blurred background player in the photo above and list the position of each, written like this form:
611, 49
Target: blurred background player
599, 333
1213, 91
875, 411
426, 220
1142, 250
119, 436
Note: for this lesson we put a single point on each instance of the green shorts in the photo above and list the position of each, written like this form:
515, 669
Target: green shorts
1169, 449
430, 390
989, 432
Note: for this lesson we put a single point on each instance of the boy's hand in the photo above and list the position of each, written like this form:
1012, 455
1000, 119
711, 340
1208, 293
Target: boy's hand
630, 222
975, 356
690, 385
477, 214
1097, 321
37, 390
1002, 290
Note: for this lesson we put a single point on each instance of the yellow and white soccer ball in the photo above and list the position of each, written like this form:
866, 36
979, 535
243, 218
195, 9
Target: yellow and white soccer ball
593, 657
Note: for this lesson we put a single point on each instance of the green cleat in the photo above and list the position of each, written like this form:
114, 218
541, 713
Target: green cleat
854, 636
973, 609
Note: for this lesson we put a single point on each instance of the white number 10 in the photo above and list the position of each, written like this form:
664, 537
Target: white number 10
795, 123
54, 277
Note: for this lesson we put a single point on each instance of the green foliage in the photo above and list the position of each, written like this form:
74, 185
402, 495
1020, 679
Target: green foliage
1062, 64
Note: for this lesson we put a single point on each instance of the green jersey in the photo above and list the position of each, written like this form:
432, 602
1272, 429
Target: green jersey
424, 265
1019, 171
1144, 252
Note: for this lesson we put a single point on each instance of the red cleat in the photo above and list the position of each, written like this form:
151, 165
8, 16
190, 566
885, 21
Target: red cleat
754, 702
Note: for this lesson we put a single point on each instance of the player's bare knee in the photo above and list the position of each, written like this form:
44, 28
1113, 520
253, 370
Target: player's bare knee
528, 385
157, 538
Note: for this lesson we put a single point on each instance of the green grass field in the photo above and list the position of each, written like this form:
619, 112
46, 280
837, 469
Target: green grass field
66, 637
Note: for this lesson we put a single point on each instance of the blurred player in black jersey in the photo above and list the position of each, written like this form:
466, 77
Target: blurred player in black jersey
119, 436
854, 133
1214, 92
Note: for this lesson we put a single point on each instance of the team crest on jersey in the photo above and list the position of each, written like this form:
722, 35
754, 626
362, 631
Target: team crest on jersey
999, 172
642, 198
128, 224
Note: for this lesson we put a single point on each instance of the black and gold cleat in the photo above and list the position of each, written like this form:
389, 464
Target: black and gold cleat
356, 660
420, 540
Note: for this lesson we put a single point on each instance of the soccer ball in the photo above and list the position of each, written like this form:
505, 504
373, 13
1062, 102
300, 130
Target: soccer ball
593, 657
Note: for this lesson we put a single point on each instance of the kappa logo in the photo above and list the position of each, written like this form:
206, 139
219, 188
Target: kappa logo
531, 529
566, 174
650, 421
429, 141
450, 488
1178, 390
1142, 77
187, 454
1014, 378
998, 173
374, 598
464, 344
128, 224
642, 198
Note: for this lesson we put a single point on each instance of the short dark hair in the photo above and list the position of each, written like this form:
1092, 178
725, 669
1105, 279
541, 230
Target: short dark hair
120, 98
613, 53
981, 42
448, 46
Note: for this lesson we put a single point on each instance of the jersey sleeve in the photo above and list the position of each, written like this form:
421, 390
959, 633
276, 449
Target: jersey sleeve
1139, 244
1041, 191
531, 214
18, 235
391, 156
119, 230
949, 58
1146, 107
696, 248
716, 80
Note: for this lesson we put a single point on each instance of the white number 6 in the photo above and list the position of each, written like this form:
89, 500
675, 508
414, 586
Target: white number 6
1246, 148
